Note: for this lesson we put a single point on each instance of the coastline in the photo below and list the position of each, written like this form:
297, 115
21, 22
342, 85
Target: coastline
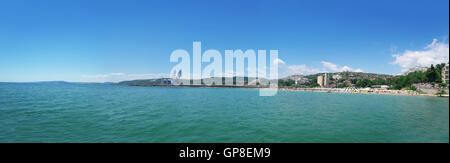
386, 92
321, 90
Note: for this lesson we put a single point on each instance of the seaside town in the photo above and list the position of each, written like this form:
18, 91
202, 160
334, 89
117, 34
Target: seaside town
417, 81
421, 81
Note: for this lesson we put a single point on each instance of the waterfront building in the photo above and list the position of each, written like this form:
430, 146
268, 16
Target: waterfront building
326, 80
381, 87
320, 80
323, 80
445, 78
301, 81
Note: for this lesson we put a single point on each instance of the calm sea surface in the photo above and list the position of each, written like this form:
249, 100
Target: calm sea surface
52, 112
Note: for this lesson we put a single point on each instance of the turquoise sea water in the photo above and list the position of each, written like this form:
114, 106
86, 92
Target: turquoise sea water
58, 112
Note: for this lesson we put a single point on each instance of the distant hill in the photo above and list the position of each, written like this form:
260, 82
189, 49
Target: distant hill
168, 81
143, 82
62, 82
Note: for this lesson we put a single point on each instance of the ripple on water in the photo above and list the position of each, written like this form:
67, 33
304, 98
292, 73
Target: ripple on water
108, 113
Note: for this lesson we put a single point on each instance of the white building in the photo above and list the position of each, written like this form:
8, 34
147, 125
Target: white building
337, 77
383, 87
323, 81
445, 78
326, 80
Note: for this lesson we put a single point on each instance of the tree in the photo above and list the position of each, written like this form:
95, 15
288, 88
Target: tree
363, 83
286, 83
433, 75
312, 85
342, 85
379, 81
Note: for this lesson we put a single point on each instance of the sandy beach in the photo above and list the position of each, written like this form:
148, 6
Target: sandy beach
362, 91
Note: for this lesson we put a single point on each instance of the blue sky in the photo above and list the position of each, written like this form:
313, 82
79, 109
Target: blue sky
95, 40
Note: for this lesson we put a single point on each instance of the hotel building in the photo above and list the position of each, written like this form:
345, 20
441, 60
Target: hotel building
445, 74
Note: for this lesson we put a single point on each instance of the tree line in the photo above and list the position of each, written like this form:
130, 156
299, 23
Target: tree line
431, 75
